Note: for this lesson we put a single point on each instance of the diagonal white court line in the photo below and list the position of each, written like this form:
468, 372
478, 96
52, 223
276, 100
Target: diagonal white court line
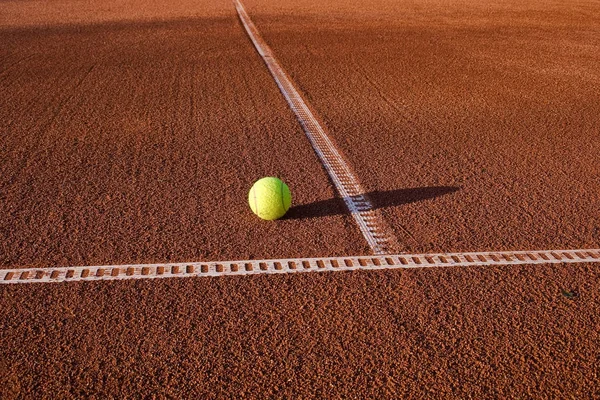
375, 231
295, 265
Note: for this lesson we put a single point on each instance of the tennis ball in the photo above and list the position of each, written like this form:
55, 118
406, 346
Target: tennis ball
269, 198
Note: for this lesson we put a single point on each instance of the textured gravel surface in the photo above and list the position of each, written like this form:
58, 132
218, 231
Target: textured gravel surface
479, 121
513, 332
132, 130
139, 143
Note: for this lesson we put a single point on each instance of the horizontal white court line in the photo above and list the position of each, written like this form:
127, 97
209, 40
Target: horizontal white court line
377, 234
295, 265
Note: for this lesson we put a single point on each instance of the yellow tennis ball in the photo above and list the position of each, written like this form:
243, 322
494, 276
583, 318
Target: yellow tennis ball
269, 198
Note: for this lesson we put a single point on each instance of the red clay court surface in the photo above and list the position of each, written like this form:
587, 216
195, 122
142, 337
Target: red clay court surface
132, 130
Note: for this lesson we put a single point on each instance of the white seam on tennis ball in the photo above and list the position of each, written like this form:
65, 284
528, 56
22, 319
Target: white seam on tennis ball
295, 265
377, 234
281, 196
